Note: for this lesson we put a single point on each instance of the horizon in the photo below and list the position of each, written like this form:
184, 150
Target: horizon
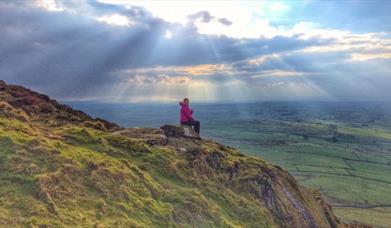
118, 51
223, 102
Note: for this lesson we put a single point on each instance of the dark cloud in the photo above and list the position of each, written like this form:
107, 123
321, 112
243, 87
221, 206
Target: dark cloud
204, 16
225, 21
69, 54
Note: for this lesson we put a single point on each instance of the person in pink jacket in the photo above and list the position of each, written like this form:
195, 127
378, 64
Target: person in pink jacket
186, 116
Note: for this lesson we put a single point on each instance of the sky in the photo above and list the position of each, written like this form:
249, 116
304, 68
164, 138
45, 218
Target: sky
209, 51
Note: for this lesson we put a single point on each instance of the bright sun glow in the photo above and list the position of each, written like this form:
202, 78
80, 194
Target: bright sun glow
115, 19
168, 34
249, 18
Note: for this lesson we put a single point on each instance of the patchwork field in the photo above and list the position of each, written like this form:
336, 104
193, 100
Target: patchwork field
350, 165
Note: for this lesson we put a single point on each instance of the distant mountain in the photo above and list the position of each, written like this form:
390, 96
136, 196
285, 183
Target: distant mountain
60, 167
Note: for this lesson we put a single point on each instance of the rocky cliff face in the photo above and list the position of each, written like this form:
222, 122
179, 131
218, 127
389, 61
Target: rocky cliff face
60, 167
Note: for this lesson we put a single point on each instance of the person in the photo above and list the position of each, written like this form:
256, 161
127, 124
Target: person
186, 116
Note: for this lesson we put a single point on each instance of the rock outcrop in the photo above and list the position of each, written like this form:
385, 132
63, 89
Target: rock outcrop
180, 131
60, 167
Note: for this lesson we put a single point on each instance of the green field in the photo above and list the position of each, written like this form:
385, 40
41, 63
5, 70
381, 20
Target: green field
350, 164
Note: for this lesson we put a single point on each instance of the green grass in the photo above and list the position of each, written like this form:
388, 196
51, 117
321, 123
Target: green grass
379, 217
367, 132
70, 175
349, 190
375, 171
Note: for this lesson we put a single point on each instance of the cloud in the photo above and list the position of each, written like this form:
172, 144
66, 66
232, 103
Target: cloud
96, 50
115, 19
204, 17
225, 21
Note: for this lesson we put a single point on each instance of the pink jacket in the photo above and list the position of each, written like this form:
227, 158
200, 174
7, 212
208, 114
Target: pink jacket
186, 112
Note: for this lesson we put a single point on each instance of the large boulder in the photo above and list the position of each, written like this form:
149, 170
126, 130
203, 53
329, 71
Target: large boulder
179, 131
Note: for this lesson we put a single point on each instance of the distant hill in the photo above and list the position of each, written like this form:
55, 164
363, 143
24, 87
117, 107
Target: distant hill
60, 167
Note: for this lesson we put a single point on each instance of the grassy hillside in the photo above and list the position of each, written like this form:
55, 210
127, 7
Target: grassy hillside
60, 167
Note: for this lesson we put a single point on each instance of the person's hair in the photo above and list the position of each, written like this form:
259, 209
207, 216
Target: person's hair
184, 99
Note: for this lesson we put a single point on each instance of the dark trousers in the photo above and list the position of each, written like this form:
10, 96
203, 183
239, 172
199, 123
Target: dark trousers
192, 123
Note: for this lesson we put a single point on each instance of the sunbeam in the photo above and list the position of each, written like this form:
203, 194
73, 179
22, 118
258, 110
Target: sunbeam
220, 113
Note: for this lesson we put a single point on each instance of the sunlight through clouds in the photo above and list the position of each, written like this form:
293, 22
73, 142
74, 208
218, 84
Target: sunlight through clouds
49, 5
115, 19
136, 51
369, 56
168, 34
249, 18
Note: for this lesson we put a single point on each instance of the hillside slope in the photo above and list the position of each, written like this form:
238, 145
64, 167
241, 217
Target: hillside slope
60, 167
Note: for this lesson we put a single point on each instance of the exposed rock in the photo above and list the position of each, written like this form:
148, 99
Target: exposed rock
179, 131
214, 159
333, 220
